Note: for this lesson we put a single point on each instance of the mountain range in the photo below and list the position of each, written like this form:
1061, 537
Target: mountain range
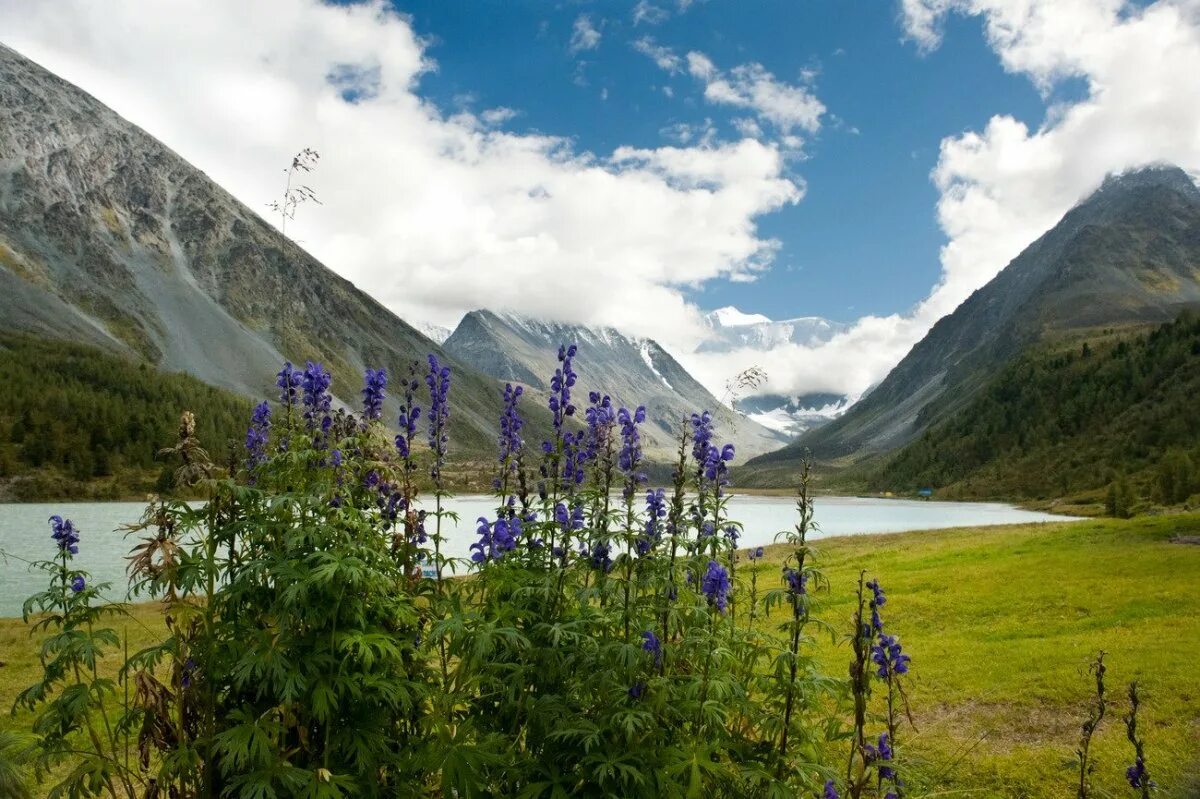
110, 240
1128, 256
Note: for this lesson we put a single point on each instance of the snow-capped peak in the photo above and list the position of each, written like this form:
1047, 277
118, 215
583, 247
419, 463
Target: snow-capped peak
732, 317
435, 332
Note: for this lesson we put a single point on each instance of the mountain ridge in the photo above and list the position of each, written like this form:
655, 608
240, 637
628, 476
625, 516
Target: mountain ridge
1126, 254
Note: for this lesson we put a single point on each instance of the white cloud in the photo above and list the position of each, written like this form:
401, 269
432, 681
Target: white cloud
788, 108
663, 57
498, 116
432, 213
584, 35
648, 13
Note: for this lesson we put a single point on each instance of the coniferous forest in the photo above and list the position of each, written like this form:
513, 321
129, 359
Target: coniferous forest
78, 422
1113, 410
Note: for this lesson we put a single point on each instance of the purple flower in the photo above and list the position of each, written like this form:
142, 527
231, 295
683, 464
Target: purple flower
888, 657
715, 465
636, 690
317, 401
656, 511
715, 585
288, 380
189, 668
1137, 776
878, 600
599, 555
651, 644
568, 522
884, 752
631, 448
797, 582
407, 420
495, 538
560, 386
438, 381
64, 532
733, 533
702, 431
510, 425
756, 554
574, 456
374, 383
830, 790
78, 584
600, 420
257, 434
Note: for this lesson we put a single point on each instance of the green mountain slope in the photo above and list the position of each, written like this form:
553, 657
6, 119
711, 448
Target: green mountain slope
78, 422
1064, 422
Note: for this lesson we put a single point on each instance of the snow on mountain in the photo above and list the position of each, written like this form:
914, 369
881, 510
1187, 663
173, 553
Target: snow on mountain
732, 330
435, 332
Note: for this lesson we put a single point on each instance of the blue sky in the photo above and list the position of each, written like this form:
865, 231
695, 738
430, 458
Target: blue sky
865, 239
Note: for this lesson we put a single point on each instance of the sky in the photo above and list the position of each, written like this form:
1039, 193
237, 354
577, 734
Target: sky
636, 164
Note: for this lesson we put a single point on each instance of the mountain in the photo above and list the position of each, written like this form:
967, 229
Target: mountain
1128, 255
730, 330
792, 416
107, 237
634, 371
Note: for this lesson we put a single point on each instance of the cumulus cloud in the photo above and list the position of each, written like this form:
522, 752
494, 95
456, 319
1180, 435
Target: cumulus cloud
433, 213
786, 106
584, 35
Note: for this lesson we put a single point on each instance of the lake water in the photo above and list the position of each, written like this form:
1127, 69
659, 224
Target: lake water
25, 534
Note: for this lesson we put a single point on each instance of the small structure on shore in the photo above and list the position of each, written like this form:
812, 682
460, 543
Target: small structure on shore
925, 493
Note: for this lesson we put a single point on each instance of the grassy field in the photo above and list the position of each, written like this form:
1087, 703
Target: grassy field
1001, 624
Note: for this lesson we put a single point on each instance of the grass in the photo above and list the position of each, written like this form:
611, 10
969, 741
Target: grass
1001, 624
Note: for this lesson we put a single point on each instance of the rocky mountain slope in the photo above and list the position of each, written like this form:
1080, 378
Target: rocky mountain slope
108, 237
1127, 255
633, 371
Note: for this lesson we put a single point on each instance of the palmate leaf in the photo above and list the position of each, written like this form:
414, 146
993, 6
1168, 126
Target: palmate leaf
463, 770
17, 752
246, 744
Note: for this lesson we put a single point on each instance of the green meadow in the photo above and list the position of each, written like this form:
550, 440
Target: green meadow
1001, 624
